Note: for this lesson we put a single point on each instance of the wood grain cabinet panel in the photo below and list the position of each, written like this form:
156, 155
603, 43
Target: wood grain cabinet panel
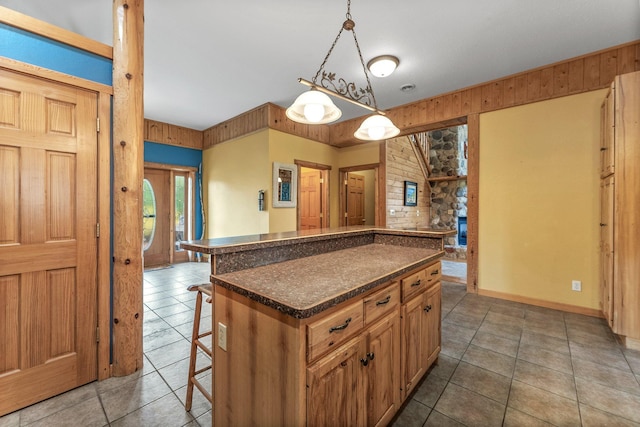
620, 216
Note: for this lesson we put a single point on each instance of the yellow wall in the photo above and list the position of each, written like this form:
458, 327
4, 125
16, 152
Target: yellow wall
539, 192
234, 171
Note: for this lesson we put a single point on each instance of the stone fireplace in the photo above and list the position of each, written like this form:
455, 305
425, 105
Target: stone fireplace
448, 159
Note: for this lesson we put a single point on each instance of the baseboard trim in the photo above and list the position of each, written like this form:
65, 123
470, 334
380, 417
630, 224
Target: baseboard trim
630, 343
542, 303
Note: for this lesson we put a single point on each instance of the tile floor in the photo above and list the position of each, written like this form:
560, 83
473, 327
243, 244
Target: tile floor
502, 363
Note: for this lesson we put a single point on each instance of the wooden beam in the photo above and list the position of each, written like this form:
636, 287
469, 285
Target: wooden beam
128, 173
473, 190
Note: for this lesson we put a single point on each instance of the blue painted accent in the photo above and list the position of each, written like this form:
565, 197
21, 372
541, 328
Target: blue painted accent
179, 156
33, 49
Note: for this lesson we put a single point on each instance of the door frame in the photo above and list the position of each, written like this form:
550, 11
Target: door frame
379, 187
192, 220
324, 190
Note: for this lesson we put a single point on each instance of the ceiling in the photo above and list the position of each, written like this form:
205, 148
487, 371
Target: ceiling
208, 61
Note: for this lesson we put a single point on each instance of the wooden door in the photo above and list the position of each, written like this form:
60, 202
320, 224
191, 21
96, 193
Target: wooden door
606, 247
432, 309
310, 199
156, 217
355, 199
48, 242
335, 387
383, 371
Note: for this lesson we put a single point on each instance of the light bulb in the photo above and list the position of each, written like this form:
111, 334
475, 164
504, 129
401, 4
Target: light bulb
314, 112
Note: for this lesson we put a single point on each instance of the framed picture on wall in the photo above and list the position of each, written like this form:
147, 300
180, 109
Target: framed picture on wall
410, 193
285, 185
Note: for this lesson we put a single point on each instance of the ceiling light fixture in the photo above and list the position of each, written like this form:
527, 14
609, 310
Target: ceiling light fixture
315, 107
383, 66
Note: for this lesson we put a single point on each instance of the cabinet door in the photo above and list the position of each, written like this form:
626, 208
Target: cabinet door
606, 248
413, 366
336, 387
383, 370
432, 310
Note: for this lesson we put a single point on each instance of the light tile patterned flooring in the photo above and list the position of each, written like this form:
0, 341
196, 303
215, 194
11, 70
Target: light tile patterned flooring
502, 363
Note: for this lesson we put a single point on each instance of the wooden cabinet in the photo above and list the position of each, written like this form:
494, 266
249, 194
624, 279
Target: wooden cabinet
421, 335
357, 384
345, 366
620, 215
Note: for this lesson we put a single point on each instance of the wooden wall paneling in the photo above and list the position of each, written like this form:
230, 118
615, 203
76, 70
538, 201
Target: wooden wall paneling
575, 80
431, 110
637, 61
381, 211
476, 99
546, 83
608, 67
520, 89
626, 61
509, 92
591, 72
533, 86
561, 79
465, 102
473, 189
456, 105
165, 133
128, 172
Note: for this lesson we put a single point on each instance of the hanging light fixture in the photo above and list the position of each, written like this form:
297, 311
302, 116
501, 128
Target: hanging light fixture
315, 107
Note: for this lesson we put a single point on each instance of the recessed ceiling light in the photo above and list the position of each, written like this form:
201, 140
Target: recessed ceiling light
408, 87
382, 66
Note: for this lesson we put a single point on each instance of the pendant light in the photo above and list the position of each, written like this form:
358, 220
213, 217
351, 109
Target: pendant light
315, 107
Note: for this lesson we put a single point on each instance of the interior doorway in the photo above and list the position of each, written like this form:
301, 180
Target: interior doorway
168, 213
359, 195
313, 195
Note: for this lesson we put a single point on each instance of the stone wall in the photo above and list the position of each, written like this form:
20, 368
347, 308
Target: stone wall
402, 165
447, 157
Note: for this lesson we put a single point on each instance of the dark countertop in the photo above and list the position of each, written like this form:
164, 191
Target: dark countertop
259, 241
307, 286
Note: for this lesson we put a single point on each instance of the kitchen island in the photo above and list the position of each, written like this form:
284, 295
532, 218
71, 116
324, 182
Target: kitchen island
330, 327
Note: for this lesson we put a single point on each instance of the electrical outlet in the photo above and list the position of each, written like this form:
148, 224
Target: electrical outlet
417, 213
576, 285
222, 336
392, 212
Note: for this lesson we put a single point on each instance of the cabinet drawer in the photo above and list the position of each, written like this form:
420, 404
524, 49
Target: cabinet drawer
433, 273
381, 302
413, 284
329, 331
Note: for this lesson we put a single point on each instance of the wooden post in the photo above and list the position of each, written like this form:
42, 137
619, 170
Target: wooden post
128, 173
473, 201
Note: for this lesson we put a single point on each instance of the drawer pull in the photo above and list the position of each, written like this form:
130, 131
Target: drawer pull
416, 283
427, 309
371, 356
364, 361
384, 301
434, 272
340, 327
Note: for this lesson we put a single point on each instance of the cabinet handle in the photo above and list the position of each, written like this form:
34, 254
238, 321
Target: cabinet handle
434, 272
603, 224
371, 356
364, 361
603, 148
384, 301
417, 283
427, 309
340, 327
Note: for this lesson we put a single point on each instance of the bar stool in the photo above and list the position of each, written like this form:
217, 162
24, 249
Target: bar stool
196, 336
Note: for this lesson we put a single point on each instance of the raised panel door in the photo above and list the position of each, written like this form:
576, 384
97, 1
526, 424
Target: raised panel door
383, 370
411, 346
48, 243
432, 310
336, 387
